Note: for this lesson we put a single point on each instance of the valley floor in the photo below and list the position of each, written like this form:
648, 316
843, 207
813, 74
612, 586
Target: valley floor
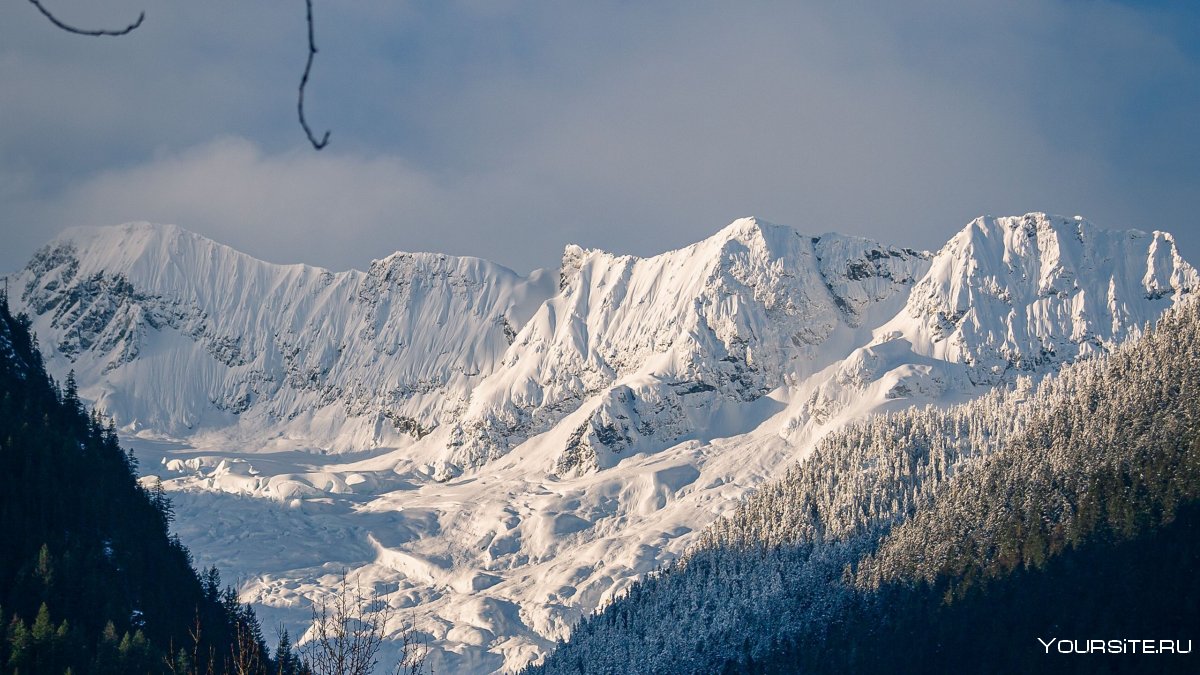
490, 568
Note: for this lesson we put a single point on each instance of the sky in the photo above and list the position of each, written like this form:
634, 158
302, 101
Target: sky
506, 129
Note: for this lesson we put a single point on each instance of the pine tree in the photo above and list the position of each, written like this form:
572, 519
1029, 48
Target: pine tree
88, 554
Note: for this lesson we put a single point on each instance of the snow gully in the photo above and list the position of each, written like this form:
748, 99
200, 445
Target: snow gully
1117, 646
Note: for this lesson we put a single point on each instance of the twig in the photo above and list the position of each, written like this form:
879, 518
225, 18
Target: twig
312, 51
80, 31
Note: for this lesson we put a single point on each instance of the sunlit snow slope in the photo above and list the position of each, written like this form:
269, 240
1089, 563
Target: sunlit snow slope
182, 337
506, 453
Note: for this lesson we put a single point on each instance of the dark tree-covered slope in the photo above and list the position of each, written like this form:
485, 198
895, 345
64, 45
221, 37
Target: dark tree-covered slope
1109, 588
90, 578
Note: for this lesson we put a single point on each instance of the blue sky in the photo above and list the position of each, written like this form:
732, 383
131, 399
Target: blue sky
508, 129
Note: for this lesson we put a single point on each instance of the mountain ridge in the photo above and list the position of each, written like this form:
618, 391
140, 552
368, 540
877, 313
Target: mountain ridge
510, 452
241, 324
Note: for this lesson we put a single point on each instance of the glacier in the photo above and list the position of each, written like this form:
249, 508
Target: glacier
500, 453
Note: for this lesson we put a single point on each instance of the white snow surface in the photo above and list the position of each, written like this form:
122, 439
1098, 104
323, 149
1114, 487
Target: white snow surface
182, 337
502, 454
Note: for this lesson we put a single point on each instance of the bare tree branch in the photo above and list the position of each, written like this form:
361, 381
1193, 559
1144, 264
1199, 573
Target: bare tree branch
348, 630
312, 51
81, 31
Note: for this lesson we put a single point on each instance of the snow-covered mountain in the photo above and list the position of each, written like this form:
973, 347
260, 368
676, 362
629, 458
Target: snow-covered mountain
180, 336
525, 447
1020, 293
647, 351
1005, 296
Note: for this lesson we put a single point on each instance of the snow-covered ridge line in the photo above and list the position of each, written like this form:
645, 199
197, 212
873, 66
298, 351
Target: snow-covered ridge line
631, 348
216, 341
624, 351
535, 444
1021, 292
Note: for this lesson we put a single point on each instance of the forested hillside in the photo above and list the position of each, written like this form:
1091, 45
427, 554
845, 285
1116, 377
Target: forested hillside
952, 539
90, 579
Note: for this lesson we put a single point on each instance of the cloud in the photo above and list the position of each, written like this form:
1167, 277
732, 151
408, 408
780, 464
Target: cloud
508, 130
330, 208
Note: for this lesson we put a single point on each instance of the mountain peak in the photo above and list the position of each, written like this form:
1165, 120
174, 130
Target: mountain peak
1023, 291
748, 225
753, 231
1028, 225
151, 252
122, 242
132, 228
